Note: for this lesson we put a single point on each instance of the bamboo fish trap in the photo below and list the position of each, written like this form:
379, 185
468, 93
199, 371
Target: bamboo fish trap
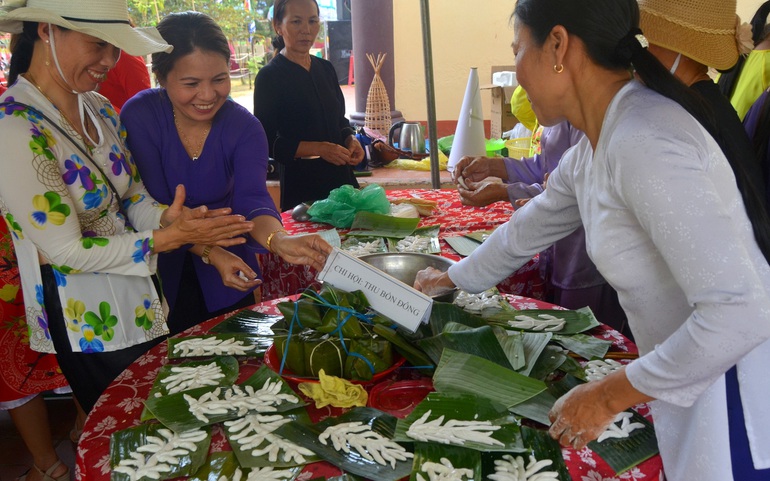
377, 102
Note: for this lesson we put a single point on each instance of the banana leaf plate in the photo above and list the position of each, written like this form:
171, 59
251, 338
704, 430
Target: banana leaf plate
227, 403
217, 345
223, 466
227, 365
256, 445
423, 240
464, 407
353, 462
160, 456
576, 321
454, 456
359, 246
622, 454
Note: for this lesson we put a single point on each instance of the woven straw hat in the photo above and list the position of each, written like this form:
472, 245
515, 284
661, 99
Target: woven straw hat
703, 30
104, 19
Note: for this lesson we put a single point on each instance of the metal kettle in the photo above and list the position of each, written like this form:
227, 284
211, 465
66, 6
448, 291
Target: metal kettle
411, 136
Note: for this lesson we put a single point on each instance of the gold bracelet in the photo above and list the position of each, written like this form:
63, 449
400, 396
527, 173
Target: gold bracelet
270, 237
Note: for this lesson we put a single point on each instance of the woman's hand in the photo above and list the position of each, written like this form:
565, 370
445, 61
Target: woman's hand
355, 149
234, 271
198, 226
482, 193
476, 169
335, 154
583, 414
433, 282
310, 250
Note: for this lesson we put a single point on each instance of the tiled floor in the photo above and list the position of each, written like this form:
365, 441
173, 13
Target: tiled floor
14, 457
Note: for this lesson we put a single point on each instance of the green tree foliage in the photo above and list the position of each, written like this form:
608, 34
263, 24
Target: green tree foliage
231, 15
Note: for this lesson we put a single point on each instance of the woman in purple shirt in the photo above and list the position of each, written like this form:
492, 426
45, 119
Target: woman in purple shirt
189, 132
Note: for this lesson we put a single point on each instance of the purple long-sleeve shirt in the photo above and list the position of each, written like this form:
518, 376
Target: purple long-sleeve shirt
571, 268
231, 172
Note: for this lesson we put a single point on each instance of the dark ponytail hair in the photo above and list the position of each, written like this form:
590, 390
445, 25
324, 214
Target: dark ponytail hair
759, 31
608, 28
22, 46
279, 11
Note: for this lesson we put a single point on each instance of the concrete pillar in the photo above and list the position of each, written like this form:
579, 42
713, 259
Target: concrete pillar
372, 23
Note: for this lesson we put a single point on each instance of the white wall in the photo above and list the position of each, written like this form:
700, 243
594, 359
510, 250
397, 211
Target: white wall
465, 34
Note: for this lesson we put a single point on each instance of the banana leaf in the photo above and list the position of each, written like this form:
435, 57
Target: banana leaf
460, 458
248, 345
355, 245
307, 436
428, 232
174, 410
325, 353
367, 357
536, 408
585, 346
466, 407
579, 320
462, 245
549, 360
443, 313
545, 447
564, 385
332, 236
126, 442
480, 341
623, 454
573, 368
247, 321
356, 299
369, 224
513, 347
223, 466
245, 455
480, 235
415, 356
217, 466
308, 313
228, 365
461, 372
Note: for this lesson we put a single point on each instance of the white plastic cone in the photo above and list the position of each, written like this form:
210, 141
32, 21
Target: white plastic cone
469, 137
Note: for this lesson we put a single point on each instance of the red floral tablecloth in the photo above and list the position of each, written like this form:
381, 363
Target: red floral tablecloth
121, 406
283, 279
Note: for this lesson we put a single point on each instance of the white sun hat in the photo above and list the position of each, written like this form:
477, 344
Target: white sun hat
104, 19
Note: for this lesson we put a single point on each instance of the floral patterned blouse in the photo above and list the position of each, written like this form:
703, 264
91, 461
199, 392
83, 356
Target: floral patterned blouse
62, 211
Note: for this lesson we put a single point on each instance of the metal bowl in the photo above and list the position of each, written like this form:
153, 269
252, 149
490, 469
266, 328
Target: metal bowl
405, 265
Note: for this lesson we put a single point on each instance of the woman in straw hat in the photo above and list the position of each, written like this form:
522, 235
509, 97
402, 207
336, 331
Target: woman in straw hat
85, 230
189, 131
677, 39
667, 227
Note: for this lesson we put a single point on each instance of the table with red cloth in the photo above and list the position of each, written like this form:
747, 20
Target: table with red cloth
120, 407
284, 279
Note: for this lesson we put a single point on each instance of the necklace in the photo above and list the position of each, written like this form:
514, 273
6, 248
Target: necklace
194, 154
72, 124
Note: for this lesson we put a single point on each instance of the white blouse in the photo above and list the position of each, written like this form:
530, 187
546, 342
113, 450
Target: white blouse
666, 227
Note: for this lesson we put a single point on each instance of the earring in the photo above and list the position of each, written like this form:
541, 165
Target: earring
558, 68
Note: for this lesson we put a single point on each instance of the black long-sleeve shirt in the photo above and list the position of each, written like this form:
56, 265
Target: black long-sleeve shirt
297, 105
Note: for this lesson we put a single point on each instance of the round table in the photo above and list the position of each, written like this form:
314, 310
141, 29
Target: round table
120, 407
284, 279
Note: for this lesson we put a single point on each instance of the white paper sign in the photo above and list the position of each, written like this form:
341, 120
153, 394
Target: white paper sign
402, 303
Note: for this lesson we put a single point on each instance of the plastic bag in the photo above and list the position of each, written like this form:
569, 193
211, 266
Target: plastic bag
340, 208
